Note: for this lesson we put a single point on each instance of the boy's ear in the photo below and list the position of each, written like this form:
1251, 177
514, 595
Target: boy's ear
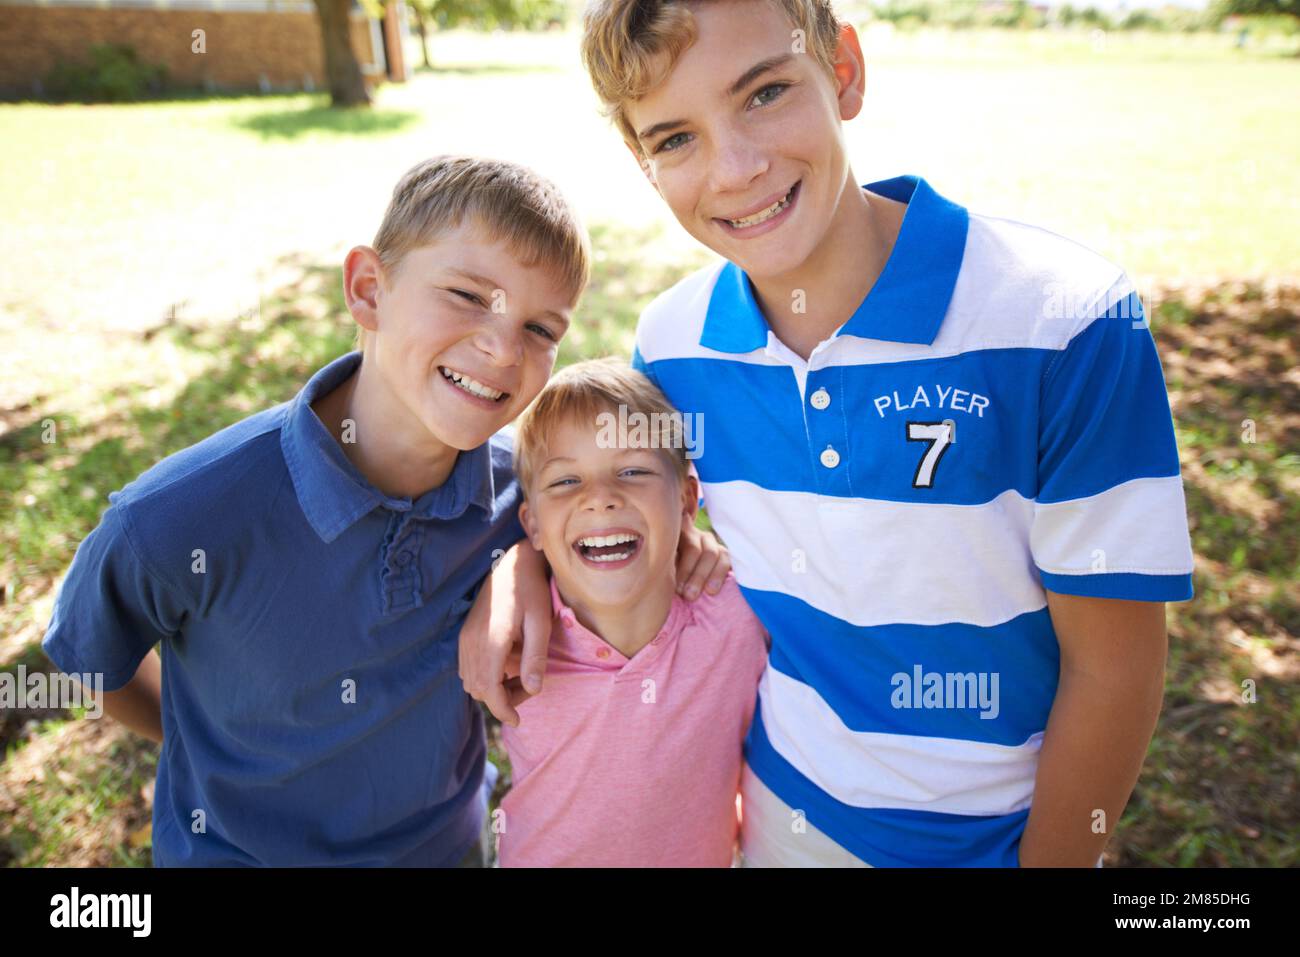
850, 73
363, 282
690, 499
529, 521
643, 162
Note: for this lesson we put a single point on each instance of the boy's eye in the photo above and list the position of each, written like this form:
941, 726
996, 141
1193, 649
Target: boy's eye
544, 331
561, 482
769, 93
636, 471
676, 138
764, 96
469, 296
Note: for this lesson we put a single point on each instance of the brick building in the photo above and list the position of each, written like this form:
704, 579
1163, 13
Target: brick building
249, 44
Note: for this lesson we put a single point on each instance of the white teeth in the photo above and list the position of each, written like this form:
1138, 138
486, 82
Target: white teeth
472, 386
595, 541
764, 214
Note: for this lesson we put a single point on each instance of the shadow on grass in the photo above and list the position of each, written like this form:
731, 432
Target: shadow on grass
486, 69
287, 124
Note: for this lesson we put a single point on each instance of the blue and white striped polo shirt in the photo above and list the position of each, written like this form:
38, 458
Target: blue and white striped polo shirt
991, 422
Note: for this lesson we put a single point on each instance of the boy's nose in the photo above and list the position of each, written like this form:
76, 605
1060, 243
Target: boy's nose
504, 346
601, 497
737, 163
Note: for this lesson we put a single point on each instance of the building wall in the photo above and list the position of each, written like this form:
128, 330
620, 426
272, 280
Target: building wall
279, 47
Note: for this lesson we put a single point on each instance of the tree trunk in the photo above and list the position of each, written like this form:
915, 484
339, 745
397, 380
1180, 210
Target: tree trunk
424, 35
342, 71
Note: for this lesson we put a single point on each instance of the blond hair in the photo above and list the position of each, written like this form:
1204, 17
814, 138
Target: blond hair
578, 394
513, 204
623, 39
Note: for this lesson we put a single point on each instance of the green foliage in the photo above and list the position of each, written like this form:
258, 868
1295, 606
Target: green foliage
114, 74
1263, 17
958, 14
493, 14
1255, 8
1022, 15
1092, 17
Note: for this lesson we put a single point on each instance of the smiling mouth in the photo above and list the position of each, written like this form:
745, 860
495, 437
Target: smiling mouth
608, 548
763, 215
472, 386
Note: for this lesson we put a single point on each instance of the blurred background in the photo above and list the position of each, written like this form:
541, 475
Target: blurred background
182, 178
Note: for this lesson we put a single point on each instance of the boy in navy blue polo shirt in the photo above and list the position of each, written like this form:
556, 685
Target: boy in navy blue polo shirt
305, 570
940, 451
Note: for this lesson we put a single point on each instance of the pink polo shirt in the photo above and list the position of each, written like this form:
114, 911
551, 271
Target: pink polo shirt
635, 762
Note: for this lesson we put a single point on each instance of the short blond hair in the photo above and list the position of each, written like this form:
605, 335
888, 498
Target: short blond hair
578, 394
515, 206
622, 39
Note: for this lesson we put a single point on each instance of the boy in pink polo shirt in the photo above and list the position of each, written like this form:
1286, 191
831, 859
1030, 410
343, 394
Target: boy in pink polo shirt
632, 758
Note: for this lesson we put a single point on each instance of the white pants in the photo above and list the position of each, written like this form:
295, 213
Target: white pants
772, 834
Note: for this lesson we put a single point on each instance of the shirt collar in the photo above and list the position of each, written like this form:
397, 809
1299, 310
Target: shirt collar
906, 304
586, 642
331, 490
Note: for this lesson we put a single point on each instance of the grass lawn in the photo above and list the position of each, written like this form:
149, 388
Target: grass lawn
169, 268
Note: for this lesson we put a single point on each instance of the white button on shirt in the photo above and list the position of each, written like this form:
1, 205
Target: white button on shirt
830, 458
820, 399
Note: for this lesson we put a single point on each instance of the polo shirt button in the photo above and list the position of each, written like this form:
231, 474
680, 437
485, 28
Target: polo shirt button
820, 399
830, 458
602, 652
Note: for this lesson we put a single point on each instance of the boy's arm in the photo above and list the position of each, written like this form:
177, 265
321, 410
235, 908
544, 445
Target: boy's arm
1110, 541
138, 704
1107, 703
513, 605
512, 615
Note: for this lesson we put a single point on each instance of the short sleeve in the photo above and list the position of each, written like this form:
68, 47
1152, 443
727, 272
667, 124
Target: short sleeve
1110, 517
111, 610
640, 365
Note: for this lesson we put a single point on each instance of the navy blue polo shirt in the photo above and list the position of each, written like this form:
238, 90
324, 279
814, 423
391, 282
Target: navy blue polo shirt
312, 710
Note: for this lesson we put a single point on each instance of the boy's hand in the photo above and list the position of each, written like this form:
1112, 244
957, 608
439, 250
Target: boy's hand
515, 600
701, 559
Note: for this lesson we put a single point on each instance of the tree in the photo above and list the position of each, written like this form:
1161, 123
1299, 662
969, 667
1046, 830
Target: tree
347, 86
488, 14
342, 71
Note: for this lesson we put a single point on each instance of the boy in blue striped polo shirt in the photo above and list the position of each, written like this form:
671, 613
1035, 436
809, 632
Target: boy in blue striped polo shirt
939, 449
304, 572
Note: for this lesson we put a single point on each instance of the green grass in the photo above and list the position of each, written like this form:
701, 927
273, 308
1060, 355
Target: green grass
169, 268
1172, 154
